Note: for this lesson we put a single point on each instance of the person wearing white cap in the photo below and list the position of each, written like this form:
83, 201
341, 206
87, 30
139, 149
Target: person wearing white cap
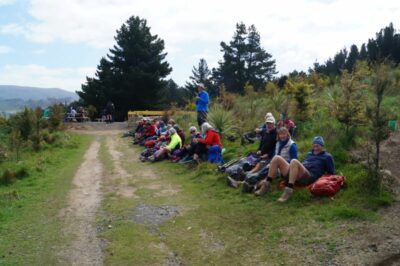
202, 101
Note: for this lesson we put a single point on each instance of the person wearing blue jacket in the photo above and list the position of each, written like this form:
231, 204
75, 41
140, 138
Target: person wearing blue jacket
317, 162
202, 101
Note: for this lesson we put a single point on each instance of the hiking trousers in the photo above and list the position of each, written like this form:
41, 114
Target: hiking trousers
201, 117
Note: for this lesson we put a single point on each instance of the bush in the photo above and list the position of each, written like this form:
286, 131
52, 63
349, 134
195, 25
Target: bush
3, 153
223, 120
22, 173
8, 177
23, 122
56, 116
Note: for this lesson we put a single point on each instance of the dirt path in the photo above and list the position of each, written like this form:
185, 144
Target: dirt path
378, 243
94, 179
80, 215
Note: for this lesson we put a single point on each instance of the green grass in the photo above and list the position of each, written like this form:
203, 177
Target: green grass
30, 228
222, 226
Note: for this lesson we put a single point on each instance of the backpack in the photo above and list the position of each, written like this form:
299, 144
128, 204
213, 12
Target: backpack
327, 185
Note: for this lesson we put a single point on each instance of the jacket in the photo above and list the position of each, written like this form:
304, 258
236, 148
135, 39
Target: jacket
268, 142
202, 102
288, 150
319, 164
212, 138
175, 143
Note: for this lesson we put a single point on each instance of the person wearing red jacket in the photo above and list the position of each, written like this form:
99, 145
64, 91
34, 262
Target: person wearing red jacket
150, 130
212, 139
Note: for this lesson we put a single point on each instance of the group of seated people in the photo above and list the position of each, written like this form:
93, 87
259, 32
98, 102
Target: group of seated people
168, 141
76, 116
277, 156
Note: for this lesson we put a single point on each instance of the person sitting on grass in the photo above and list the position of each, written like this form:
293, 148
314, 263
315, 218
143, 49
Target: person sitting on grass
188, 150
211, 142
285, 147
317, 162
175, 143
181, 133
255, 162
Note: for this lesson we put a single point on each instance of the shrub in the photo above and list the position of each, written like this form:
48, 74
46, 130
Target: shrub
8, 177
3, 153
223, 120
22, 173
23, 122
56, 116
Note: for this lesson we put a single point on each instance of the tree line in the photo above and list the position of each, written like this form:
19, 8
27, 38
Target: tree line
385, 46
134, 73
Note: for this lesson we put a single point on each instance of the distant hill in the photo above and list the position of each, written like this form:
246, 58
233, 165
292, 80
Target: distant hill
32, 93
15, 98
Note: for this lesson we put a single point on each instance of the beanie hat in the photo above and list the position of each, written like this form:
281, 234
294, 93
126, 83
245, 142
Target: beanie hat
270, 119
268, 115
319, 140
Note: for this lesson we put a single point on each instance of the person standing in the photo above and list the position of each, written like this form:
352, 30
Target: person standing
110, 112
202, 101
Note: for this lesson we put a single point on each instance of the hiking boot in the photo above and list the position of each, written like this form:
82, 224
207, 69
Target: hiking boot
186, 159
247, 188
264, 187
232, 182
221, 168
176, 159
286, 194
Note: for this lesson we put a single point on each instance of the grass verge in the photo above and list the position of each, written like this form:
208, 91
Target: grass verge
29, 223
218, 225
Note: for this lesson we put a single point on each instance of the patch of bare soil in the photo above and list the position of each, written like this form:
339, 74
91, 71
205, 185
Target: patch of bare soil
378, 243
80, 215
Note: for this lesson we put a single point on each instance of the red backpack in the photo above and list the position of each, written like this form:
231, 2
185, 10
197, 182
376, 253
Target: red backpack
327, 185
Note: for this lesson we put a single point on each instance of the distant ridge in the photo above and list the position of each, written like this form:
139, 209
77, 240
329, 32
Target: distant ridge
15, 98
33, 93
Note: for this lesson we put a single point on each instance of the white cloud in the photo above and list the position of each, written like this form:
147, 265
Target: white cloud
40, 76
294, 32
5, 49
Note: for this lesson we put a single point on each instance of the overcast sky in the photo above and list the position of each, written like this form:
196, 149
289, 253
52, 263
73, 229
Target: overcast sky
52, 43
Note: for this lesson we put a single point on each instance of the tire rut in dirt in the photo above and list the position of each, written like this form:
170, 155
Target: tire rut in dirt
80, 215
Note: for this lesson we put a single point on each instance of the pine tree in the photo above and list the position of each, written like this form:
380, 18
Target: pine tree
382, 82
232, 69
260, 66
244, 60
363, 53
200, 74
97, 91
352, 58
133, 74
350, 110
